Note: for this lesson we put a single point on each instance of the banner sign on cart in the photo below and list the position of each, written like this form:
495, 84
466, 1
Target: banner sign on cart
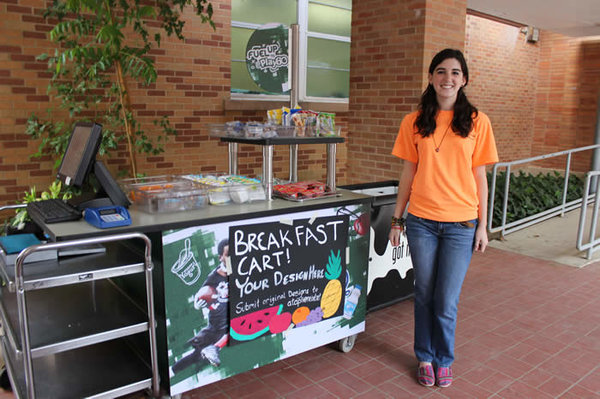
303, 271
286, 275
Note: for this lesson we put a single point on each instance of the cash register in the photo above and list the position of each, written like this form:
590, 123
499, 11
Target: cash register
77, 165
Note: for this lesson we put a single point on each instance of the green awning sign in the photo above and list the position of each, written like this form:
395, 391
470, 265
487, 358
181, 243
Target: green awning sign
267, 58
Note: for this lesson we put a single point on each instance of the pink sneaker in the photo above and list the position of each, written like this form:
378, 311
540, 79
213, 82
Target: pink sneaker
444, 377
426, 376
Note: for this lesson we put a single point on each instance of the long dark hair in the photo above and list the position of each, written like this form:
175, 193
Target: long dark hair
464, 111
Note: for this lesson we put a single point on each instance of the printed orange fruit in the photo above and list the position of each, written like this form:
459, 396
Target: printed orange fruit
300, 314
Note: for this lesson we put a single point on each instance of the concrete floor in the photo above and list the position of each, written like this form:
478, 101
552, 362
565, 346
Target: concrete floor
554, 239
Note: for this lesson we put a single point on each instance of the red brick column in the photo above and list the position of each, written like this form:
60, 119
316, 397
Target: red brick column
392, 45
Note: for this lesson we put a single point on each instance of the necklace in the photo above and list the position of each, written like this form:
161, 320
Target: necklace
437, 147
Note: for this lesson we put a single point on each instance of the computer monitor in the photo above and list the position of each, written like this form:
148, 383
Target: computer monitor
80, 155
79, 162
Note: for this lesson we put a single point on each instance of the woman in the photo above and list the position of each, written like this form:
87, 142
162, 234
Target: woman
445, 146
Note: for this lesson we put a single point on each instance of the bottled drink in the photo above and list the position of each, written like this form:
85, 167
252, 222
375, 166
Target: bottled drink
351, 302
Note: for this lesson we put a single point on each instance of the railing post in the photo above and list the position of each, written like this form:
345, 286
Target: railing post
582, 213
566, 187
596, 154
594, 222
505, 199
492, 197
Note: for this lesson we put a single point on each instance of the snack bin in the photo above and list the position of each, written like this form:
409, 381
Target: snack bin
173, 196
129, 185
390, 276
181, 197
223, 188
251, 130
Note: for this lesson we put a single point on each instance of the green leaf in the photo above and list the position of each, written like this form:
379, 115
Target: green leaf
334, 266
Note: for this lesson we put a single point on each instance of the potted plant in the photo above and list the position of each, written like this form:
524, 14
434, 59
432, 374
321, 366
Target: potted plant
21, 222
101, 46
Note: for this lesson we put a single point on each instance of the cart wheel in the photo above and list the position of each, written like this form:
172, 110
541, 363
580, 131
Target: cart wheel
346, 344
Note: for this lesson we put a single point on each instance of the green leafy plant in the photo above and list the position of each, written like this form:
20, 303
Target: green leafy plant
529, 194
101, 46
54, 191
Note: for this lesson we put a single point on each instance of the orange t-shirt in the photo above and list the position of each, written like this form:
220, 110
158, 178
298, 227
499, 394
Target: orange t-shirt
444, 187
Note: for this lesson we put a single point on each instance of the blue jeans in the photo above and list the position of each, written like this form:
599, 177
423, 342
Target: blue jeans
440, 253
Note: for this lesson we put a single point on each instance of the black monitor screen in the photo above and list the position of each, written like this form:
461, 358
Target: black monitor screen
80, 154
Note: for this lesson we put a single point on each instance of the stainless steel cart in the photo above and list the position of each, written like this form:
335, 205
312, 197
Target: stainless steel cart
71, 331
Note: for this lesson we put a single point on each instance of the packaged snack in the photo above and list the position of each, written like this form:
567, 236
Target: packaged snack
301, 190
234, 128
270, 130
326, 124
305, 123
285, 116
253, 129
274, 116
224, 188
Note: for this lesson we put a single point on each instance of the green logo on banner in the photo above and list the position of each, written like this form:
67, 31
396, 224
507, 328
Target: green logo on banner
267, 58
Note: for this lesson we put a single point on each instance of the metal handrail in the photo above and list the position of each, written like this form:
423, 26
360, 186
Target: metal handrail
565, 206
591, 244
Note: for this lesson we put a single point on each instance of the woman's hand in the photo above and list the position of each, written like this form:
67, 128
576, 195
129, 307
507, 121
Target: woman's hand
481, 238
394, 235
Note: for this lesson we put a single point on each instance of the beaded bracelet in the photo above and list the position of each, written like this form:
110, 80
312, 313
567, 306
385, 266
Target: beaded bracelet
398, 222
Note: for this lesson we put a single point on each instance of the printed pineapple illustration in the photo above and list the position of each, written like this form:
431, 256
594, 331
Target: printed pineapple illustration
332, 295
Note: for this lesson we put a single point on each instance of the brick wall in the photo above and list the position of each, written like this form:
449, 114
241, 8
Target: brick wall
193, 81
541, 97
392, 45
567, 98
503, 70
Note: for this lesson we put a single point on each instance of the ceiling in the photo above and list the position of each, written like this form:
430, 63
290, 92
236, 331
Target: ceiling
576, 18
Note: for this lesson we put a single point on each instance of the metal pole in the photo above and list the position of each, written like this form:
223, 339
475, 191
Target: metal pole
505, 202
294, 68
596, 155
267, 171
331, 152
293, 163
233, 164
594, 224
566, 184
293, 65
492, 197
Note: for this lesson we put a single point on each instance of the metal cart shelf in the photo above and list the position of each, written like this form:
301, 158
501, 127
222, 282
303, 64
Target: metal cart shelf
267, 144
66, 323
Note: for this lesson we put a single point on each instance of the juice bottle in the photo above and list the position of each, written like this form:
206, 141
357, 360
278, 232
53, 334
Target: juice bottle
351, 302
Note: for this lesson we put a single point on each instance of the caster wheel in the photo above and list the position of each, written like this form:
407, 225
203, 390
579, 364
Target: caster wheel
346, 344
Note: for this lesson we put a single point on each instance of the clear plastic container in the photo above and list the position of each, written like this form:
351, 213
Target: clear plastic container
252, 130
227, 129
170, 197
223, 188
129, 185
241, 193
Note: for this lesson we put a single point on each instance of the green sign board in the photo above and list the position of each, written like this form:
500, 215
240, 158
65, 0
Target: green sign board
267, 58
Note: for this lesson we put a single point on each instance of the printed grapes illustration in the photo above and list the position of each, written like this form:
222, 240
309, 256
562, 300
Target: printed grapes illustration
315, 316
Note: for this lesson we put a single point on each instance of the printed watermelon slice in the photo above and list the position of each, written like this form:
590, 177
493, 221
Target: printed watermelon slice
253, 325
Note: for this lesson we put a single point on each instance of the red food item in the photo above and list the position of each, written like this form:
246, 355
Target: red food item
305, 189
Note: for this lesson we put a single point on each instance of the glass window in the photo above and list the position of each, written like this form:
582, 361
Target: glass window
330, 84
324, 52
331, 20
328, 68
328, 54
261, 12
